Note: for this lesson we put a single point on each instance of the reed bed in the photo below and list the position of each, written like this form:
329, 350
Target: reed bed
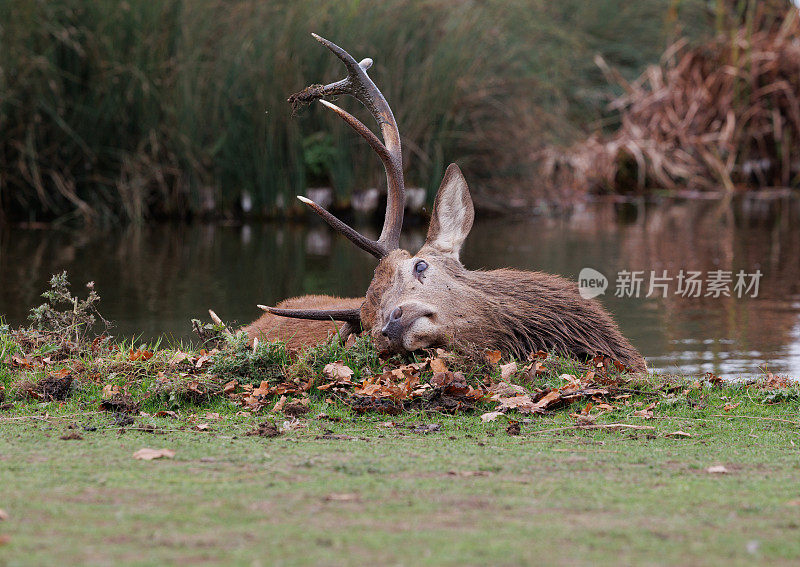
715, 117
113, 111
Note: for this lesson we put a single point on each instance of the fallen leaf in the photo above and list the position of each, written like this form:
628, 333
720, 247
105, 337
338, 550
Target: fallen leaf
729, 407
491, 416
279, 404
338, 371
195, 386
140, 355
795, 502
678, 434
150, 454
717, 469
583, 419
230, 387
508, 370
20, 361
293, 424
3, 515
493, 356
438, 365
534, 369
514, 402
179, 356
59, 374
468, 473
503, 389
551, 398
110, 390
166, 413
646, 413
202, 427
342, 497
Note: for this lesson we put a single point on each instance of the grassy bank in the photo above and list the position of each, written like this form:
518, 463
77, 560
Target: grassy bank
116, 111
356, 491
337, 455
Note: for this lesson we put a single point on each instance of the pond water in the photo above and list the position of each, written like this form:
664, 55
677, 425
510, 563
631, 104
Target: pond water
153, 279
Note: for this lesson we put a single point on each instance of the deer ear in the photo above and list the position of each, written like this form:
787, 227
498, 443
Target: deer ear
453, 214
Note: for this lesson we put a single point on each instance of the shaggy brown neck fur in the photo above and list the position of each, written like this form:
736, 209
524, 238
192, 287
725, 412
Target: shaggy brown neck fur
523, 312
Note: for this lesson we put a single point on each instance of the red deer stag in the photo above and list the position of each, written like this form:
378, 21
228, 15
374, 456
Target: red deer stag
429, 298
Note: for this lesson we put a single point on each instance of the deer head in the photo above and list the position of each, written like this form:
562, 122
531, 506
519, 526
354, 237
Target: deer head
430, 299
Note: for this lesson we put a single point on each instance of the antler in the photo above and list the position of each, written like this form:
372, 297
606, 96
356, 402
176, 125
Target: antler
360, 86
348, 315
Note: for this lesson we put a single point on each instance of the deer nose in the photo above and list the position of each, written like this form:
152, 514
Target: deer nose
393, 329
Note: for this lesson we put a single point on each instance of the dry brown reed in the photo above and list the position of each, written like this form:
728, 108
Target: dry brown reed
715, 117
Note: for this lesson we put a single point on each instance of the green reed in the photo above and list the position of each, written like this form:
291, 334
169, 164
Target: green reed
113, 111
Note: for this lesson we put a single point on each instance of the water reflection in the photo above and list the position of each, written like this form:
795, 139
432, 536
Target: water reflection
153, 279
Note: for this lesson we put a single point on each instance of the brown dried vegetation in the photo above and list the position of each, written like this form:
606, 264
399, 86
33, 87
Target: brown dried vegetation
725, 114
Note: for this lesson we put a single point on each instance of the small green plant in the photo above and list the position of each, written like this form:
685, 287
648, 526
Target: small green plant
68, 317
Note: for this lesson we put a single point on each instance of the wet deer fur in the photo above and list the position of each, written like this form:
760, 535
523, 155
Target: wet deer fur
300, 333
430, 299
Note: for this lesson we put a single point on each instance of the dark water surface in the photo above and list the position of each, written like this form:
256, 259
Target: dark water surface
153, 279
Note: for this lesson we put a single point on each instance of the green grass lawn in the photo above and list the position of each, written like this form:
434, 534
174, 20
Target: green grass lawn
359, 491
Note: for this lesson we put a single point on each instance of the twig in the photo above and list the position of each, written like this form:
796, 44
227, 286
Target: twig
760, 418
21, 417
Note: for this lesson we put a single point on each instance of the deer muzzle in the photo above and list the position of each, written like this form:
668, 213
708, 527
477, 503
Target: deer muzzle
401, 324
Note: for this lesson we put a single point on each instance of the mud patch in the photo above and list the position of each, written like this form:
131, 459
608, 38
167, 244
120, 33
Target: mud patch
120, 403
264, 429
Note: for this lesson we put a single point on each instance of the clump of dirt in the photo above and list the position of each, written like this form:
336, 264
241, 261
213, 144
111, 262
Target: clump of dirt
513, 428
367, 404
49, 388
306, 96
71, 436
450, 393
120, 403
265, 429
296, 408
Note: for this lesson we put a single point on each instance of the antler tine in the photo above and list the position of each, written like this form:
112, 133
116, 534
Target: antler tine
348, 315
359, 85
374, 248
365, 132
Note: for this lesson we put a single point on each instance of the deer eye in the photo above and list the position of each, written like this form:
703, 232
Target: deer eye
419, 268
